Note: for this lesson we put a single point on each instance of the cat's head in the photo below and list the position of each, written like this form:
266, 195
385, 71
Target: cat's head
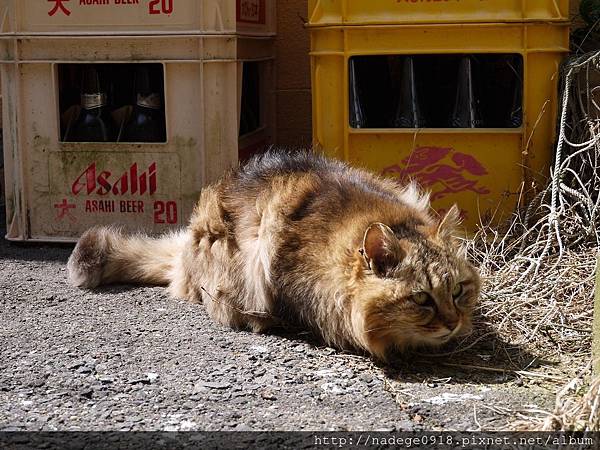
415, 286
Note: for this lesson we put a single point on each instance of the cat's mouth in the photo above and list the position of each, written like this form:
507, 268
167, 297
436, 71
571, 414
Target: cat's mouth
446, 336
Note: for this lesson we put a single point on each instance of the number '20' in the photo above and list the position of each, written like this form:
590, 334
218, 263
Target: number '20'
166, 6
165, 212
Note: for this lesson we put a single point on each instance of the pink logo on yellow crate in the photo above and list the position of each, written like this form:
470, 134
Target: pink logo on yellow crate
58, 5
443, 171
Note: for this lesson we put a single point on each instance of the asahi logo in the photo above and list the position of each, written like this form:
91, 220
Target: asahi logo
102, 182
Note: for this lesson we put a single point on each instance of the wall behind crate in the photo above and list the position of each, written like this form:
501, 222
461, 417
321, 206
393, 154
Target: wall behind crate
294, 123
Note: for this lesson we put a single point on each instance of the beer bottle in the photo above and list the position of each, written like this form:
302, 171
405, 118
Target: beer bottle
358, 118
466, 112
147, 122
69, 94
408, 111
69, 86
515, 118
94, 123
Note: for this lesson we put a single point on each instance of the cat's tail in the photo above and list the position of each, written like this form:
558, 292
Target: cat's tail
106, 255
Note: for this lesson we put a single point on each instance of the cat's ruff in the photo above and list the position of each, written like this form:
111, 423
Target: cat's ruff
299, 238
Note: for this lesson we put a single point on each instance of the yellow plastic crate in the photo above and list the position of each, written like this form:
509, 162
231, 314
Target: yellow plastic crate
481, 169
377, 12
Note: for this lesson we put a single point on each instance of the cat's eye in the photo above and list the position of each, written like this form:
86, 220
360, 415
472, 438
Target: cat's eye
423, 299
457, 290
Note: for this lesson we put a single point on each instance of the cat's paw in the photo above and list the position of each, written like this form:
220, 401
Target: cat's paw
86, 263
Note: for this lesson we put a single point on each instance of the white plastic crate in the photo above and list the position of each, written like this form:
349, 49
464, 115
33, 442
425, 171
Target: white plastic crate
65, 17
55, 190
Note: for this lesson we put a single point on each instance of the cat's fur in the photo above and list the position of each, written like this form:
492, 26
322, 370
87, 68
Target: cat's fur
298, 238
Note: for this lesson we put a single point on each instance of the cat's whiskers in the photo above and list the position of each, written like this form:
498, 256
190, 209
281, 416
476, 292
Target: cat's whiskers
390, 327
262, 314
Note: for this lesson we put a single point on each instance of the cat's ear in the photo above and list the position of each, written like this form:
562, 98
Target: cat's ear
382, 249
449, 223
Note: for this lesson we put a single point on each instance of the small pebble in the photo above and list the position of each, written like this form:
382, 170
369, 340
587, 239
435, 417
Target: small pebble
216, 384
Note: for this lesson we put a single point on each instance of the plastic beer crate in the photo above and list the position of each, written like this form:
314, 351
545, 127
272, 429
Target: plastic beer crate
378, 12
56, 189
139, 16
483, 169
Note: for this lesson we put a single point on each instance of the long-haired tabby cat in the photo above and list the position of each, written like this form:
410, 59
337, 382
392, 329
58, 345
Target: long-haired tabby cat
298, 238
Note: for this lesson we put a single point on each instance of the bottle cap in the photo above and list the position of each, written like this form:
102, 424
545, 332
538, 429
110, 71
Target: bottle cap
93, 101
151, 101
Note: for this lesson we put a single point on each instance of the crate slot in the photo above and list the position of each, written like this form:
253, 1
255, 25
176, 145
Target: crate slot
436, 91
112, 103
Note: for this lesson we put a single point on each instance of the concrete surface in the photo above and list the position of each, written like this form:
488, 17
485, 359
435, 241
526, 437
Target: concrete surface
129, 358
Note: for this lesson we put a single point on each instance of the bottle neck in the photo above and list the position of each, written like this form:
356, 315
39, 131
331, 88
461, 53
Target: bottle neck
93, 101
150, 101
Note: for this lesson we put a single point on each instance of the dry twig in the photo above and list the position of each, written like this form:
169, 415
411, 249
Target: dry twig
539, 270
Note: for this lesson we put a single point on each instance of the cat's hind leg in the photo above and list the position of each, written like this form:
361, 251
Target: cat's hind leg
213, 267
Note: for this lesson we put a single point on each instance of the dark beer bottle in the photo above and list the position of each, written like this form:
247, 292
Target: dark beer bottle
467, 111
94, 123
515, 118
358, 119
408, 111
69, 86
147, 123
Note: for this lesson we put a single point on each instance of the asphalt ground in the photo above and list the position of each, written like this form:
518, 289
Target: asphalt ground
129, 358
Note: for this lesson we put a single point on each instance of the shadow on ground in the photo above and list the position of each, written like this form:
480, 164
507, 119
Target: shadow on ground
482, 358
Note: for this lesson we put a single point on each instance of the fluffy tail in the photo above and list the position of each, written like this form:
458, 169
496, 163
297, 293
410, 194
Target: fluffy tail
106, 255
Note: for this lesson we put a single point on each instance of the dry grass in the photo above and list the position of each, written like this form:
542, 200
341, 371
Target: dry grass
539, 270
577, 405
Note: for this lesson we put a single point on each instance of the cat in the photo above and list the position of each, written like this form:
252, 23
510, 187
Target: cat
297, 238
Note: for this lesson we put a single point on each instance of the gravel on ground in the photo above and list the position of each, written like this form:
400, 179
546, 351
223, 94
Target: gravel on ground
130, 358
